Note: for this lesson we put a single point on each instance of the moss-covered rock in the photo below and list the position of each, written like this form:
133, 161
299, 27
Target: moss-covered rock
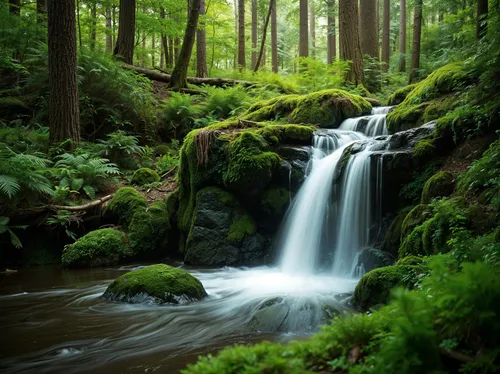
440, 184
414, 218
102, 247
12, 107
274, 201
442, 82
123, 205
411, 261
144, 176
158, 284
392, 238
400, 95
326, 108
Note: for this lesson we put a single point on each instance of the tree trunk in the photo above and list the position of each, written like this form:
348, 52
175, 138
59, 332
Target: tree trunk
41, 10
93, 25
162, 55
482, 15
254, 33
113, 25
164, 40
303, 31
331, 37
143, 52
386, 35
64, 116
79, 24
350, 48
201, 45
241, 34
402, 36
179, 75
417, 32
274, 38
368, 34
264, 34
312, 28
15, 7
153, 49
109, 31
177, 45
171, 52
124, 49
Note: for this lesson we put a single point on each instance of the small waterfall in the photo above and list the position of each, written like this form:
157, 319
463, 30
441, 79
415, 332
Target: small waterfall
346, 212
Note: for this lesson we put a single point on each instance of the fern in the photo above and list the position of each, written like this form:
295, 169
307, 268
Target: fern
5, 228
122, 148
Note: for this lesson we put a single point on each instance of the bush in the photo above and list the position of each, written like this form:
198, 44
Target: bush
179, 112
122, 148
144, 176
102, 247
222, 103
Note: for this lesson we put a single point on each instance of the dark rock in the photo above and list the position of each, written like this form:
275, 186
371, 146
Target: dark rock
372, 258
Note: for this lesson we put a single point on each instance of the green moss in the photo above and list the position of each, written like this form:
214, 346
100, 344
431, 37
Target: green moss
424, 148
148, 229
439, 108
392, 237
440, 184
242, 226
162, 149
411, 260
102, 247
124, 204
144, 176
374, 288
400, 95
165, 284
11, 107
412, 245
410, 113
414, 218
274, 201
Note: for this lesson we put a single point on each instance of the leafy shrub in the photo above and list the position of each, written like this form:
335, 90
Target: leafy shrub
122, 148
222, 103
179, 112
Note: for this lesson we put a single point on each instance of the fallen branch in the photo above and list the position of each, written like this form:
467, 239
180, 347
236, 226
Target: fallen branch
457, 356
76, 208
162, 77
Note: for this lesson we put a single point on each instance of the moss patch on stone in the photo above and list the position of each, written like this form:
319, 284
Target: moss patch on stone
392, 238
440, 184
123, 205
102, 247
144, 176
274, 200
415, 218
159, 283
242, 226
400, 95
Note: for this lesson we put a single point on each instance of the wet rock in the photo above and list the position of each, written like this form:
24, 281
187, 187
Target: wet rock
270, 318
372, 258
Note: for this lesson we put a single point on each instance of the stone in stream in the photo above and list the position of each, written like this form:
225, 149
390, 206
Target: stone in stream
156, 284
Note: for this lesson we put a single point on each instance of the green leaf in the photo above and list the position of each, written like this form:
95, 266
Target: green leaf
89, 190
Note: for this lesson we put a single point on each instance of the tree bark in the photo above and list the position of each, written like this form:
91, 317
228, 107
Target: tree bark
264, 34
386, 35
153, 49
312, 28
113, 25
64, 116
201, 45
171, 52
164, 39
241, 34
402, 36
178, 79
93, 25
15, 7
350, 48
124, 49
41, 10
331, 37
417, 32
482, 15
274, 38
109, 31
369, 28
254, 33
303, 30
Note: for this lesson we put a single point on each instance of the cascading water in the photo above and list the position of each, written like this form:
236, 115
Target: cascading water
372, 125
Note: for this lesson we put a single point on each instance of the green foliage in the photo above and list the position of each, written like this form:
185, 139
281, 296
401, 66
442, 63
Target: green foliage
144, 176
122, 148
440, 184
97, 248
164, 283
222, 103
25, 139
64, 219
84, 173
413, 190
124, 204
5, 228
179, 113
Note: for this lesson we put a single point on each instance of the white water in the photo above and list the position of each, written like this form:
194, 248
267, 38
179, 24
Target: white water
350, 203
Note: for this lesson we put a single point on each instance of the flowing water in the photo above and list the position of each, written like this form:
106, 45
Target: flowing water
54, 320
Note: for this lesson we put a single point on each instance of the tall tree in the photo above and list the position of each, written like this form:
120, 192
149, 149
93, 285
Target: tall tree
331, 37
482, 15
124, 49
303, 30
254, 33
369, 29
272, 3
41, 10
164, 40
178, 79
93, 24
386, 34
153, 49
402, 36
350, 48
201, 45
64, 116
109, 31
417, 32
274, 38
241, 34
15, 7
312, 27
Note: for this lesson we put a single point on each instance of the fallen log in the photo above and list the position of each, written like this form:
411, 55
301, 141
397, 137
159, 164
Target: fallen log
162, 77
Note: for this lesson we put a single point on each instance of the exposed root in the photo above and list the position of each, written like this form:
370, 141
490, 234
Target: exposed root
203, 141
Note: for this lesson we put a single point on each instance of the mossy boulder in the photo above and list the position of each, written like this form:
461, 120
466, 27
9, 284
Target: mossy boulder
437, 86
400, 95
374, 288
123, 205
102, 247
392, 238
418, 215
326, 108
144, 176
440, 184
156, 284
222, 232
275, 201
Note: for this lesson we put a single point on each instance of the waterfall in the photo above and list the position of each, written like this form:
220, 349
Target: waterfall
350, 203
